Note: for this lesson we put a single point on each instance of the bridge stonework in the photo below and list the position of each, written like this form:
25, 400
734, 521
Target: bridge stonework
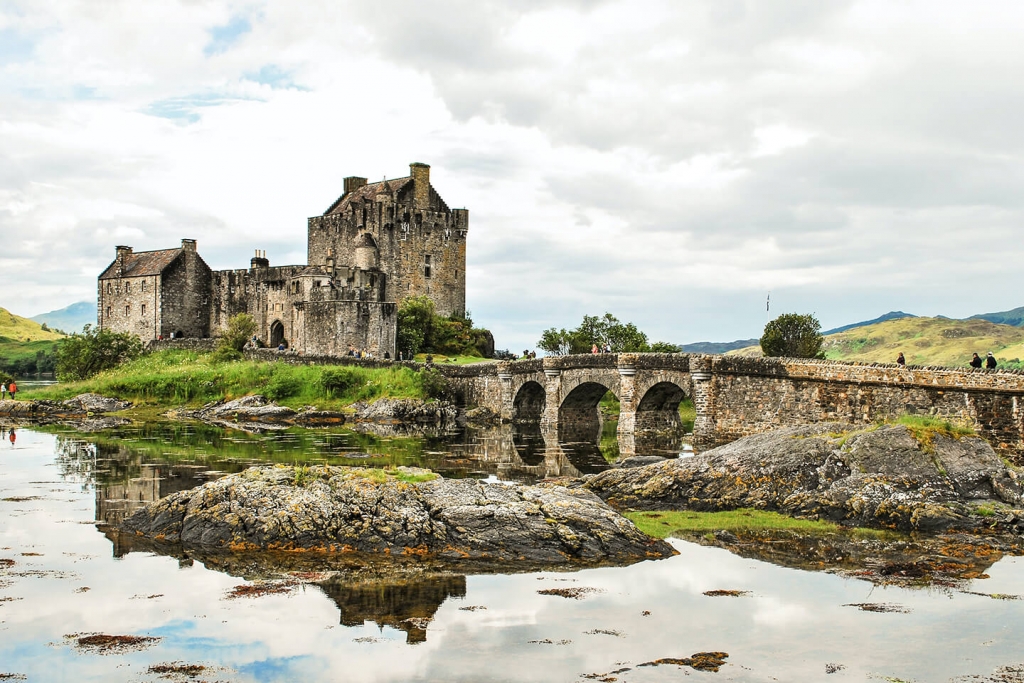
736, 396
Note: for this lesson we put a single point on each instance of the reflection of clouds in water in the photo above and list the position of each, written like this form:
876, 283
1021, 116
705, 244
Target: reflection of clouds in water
775, 612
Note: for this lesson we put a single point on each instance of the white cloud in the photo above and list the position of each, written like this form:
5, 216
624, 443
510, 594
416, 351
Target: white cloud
637, 157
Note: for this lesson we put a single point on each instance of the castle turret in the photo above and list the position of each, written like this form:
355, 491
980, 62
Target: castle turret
367, 255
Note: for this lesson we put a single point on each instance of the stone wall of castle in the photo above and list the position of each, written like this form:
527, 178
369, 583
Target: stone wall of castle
130, 305
185, 296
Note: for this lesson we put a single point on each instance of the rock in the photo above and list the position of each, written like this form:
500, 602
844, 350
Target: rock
640, 461
366, 510
406, 410
880, 477
94, 403
482, 416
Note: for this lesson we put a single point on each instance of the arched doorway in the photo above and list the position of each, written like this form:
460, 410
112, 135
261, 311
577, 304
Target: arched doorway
277, 334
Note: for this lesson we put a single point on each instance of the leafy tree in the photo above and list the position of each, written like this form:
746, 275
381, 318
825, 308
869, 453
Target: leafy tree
240, 330
420, 329
793, 335
607, 329
81, 356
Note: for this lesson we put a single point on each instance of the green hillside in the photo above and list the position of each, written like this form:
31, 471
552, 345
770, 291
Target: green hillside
923, 341
25, 347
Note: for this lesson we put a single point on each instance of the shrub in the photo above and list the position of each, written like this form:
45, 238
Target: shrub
792, 335
337, 381
240, 330
81, 356
283, 386
436, 385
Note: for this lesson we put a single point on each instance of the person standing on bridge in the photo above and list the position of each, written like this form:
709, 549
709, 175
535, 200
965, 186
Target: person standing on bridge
990, 361
900, 360
593, 348
975, 361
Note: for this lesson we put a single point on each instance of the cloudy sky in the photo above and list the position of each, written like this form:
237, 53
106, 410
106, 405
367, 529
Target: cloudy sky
668, 161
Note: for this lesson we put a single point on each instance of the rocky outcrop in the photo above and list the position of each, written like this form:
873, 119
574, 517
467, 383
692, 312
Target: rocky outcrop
397, 512
881, 476
406, 410
44, 411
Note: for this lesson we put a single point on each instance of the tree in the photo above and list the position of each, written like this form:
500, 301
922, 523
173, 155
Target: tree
604, 330
793, 336
415, 325
240, 330
81, 356
420, 329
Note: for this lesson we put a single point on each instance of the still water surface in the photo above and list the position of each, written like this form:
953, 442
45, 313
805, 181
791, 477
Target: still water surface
59, 575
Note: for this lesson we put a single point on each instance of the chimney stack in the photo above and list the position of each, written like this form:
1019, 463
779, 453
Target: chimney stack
353, 183
420, 184
123, 254
188, 245
260, 260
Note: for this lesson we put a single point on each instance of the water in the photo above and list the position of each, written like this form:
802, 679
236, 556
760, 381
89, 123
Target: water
60, 576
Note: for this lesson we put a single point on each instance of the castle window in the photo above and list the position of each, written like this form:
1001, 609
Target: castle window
127, 288
143, 309
426, 265
110, 311
127, 310
143, 285
110, 288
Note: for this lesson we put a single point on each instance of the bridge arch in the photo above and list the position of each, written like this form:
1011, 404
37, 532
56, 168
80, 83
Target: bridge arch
658, 407
529, 402
578, 416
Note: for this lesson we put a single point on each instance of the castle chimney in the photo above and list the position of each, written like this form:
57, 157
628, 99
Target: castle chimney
123, 253
188, 245
420, 184
260, 260
353, 183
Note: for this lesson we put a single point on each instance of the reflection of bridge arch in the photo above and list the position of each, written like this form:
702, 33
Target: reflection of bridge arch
529, 403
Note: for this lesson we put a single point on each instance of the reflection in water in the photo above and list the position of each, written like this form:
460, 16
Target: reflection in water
57, 577
406, 605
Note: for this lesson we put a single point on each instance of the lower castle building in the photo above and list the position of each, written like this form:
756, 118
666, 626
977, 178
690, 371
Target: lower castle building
377, 244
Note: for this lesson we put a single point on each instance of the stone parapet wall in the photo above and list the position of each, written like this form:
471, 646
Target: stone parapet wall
185, 343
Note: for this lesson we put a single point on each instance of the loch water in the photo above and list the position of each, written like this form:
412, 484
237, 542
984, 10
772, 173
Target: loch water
63, 580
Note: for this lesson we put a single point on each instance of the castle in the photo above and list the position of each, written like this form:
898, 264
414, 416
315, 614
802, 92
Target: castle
377, 244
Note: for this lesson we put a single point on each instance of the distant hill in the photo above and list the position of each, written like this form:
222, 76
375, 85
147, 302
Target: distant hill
718, 347
923, 341
70, 318
891, 315
1013, 317
25, 347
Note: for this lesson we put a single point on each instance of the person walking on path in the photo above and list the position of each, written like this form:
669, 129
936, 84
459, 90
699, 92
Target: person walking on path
3, 390
990, 361
12, 389
900, 360
975, 361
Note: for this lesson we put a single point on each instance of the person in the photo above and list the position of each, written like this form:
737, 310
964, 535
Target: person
351, 350
593, 349
3, 390
387, 355
12, 437
900, 360
975, 361
990, 361
607, 347
12, 388
401, 355
280, 347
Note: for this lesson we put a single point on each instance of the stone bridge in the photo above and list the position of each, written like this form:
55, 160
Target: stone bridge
736, 396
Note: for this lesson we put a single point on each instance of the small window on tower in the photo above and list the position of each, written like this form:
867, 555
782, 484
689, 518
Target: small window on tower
110, 311
426, 265
127, 288
110, 288
143, 285
143, 309
127, 310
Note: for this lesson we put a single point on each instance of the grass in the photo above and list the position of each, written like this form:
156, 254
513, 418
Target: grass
178, 377
660, 524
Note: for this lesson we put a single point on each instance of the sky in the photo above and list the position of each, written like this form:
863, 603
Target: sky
668, 161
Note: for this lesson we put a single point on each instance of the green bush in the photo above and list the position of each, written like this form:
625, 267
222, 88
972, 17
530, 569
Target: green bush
436, 385
282, 386
338, 381
81, 356
792, 335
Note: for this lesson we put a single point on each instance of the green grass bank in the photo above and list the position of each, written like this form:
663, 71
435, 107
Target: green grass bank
176, 377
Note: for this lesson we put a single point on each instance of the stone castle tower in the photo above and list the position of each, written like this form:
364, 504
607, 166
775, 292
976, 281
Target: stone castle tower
376, 245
